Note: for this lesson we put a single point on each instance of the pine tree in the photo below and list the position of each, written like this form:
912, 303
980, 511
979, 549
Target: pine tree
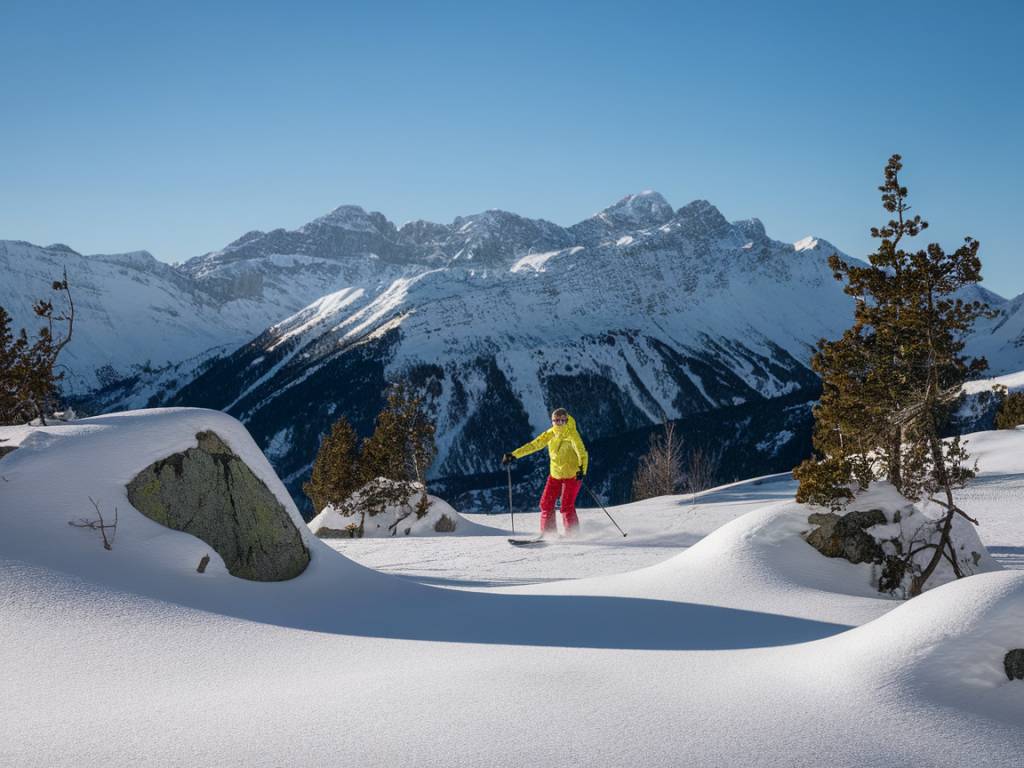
401, 450
11, 359
1011, 409
336, 470
892, 381
29, 374
402, 446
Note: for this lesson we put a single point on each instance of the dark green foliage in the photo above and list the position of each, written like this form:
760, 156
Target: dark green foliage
29, 373
336, 473
401, 449
402, 445
12, 360
1011, 410
891, 383
385, 470
824, 482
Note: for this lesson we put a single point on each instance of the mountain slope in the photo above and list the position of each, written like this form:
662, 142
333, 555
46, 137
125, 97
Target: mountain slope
686, 315
130, 310
637, 314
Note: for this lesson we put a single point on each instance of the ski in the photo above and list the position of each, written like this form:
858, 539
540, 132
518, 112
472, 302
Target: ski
526, 542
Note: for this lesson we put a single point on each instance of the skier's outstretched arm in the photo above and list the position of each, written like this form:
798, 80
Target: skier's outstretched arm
534, 445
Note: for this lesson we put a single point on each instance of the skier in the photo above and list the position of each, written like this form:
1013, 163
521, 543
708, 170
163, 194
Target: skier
568, 466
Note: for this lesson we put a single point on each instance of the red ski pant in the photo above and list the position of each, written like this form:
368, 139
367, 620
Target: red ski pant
567, 490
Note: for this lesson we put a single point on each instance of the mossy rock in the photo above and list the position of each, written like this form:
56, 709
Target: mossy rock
209, 492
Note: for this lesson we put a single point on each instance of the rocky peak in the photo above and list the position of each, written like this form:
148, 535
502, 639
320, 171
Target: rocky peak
248, 237
631, 213
352, 218
422, 232
646, 209
496, 236
752, 229
701, 219
62, 248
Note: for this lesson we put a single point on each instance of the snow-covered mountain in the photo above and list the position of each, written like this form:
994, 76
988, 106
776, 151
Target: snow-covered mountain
639, 313
133, 312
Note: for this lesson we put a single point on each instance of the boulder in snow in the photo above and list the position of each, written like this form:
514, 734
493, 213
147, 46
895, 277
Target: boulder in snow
209, 492
887, 527
845, 536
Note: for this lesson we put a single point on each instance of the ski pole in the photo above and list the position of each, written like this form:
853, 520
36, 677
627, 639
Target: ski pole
598, 502
510, 512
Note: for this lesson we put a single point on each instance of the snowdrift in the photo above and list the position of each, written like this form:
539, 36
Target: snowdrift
744, 649
439, 519
57, 472
947, 645
759, 559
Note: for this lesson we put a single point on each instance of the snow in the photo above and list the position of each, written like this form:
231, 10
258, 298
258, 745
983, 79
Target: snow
773, 443
534, 261
395, 520
1014, 382
806, 244
712, 635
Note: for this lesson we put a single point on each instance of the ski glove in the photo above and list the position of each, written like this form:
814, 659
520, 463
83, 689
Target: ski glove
579, 475
507, 459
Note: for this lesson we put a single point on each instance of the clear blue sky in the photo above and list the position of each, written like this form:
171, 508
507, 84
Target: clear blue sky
176, 127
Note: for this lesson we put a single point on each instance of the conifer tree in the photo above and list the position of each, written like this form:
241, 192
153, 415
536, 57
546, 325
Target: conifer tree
892, 381
11, 376
385, 469
1011, 409
401, 450
29, 373
402, 446
336, 471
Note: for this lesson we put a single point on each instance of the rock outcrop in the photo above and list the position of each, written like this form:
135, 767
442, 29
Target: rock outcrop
209, 492
846, 536
897, 539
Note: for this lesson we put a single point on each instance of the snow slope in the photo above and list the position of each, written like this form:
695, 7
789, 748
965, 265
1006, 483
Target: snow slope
742, 650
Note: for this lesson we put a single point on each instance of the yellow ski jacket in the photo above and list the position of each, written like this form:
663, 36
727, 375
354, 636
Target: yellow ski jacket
568, 455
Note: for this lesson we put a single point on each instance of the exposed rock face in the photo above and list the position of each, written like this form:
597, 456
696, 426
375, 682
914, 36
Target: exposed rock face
209, 492
5, 449
845, 536
1014, 664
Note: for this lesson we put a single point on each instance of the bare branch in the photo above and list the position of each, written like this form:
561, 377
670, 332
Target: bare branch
98, 525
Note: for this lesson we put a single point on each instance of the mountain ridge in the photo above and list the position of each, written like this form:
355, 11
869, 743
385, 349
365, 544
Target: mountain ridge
637, 314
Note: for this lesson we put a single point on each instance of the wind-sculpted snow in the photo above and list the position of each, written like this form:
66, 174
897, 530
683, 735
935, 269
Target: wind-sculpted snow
748, 648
